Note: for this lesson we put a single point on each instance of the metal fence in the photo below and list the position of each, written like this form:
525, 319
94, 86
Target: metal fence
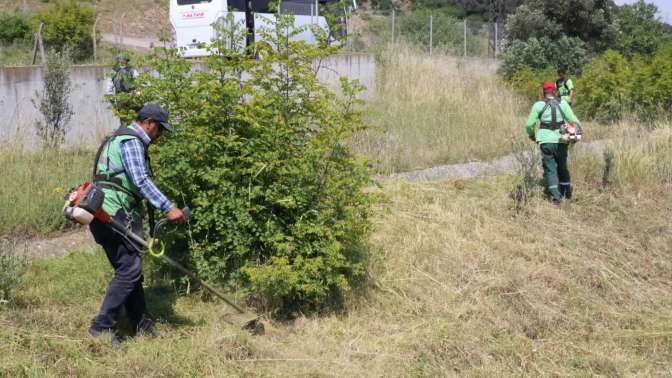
431, 32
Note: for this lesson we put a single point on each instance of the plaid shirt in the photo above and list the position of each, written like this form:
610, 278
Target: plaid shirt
133, 160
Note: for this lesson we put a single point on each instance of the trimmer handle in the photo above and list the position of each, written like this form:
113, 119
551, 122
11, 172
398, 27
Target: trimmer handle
187, 213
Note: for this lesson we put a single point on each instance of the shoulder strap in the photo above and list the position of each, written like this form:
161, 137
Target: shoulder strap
104, 144
544, 108
122, 131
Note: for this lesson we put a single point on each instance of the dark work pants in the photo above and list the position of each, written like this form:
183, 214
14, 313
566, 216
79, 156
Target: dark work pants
125, 289
556, 174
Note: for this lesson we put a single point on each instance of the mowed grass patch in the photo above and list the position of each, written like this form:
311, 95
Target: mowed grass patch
31, 193
460, 285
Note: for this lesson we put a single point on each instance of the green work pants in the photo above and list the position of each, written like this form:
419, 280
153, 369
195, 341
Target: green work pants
556, 174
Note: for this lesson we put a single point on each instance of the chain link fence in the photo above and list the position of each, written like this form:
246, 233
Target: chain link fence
433, 32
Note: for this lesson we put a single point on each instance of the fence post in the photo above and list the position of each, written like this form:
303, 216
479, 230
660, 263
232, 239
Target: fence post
431, 33
38, 41
393, 15
465, 37
93, 37
496, 39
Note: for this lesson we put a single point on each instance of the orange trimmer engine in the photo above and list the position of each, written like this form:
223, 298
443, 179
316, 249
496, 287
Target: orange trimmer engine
84, 204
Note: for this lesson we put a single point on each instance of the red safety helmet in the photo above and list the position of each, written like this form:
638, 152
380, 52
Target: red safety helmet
549, 86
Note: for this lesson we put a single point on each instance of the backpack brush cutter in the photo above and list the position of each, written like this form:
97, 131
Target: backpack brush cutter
84, 204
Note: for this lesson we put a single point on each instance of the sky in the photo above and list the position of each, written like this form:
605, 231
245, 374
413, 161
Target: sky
664, 7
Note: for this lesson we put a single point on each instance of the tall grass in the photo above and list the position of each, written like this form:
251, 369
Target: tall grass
438, 110
33, 187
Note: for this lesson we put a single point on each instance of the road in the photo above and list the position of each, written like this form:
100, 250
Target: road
143, 43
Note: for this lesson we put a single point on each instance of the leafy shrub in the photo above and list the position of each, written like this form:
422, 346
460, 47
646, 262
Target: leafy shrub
13, 27
539, 54
613, 86
68, 25
12, 269
528, 81
605, 87
261, 158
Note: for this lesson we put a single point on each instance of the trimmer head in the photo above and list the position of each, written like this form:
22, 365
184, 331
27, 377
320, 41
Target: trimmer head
246, 321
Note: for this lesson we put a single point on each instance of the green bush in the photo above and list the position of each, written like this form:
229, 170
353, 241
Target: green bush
542, 53
13, 27
604, 87
278, 207
613, 86
68, 25
528, 81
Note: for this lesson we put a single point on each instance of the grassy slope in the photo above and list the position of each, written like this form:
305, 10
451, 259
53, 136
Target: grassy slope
460, 286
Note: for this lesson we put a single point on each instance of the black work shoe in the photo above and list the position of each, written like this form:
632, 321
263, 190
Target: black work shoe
557, 202
147, 328
107, 334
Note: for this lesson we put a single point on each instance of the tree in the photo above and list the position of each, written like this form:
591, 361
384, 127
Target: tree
68, 25
54, 101
639, 29
262, 159
592, 21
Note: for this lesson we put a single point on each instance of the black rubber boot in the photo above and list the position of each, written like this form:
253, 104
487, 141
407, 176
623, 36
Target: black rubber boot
107, 334
146, 327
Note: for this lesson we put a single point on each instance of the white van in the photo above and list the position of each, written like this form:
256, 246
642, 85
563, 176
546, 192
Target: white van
192, 19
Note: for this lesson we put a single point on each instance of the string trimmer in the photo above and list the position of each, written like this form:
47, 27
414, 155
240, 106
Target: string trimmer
84, 204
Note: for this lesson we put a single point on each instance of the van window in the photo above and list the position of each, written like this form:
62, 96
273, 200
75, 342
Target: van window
259, 6
192, 2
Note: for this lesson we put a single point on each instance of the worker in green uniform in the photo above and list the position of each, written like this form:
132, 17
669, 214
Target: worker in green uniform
565, 86
552, 114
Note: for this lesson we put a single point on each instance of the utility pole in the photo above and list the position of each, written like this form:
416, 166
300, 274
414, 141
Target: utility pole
431, 33
93, 38
496, 39
465, 37
249, 24
393, 15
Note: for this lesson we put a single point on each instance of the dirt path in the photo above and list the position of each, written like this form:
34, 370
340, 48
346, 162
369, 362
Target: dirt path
56, 245
474, 170
134, 42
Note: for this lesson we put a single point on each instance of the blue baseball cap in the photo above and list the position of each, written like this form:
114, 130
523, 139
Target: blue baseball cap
157, 113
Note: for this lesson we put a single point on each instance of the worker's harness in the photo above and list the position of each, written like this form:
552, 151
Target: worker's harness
569, 132
111, 180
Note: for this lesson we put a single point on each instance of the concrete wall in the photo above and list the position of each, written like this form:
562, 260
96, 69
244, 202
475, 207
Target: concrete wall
93, 118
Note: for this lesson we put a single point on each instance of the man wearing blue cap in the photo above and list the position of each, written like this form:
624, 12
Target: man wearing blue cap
122, 171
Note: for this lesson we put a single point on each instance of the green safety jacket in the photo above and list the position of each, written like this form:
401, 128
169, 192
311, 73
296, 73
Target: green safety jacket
564, 88
110, 175
542, 112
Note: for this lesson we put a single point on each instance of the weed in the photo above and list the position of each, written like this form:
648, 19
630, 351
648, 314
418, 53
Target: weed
527, 158
12, 268
608, 175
